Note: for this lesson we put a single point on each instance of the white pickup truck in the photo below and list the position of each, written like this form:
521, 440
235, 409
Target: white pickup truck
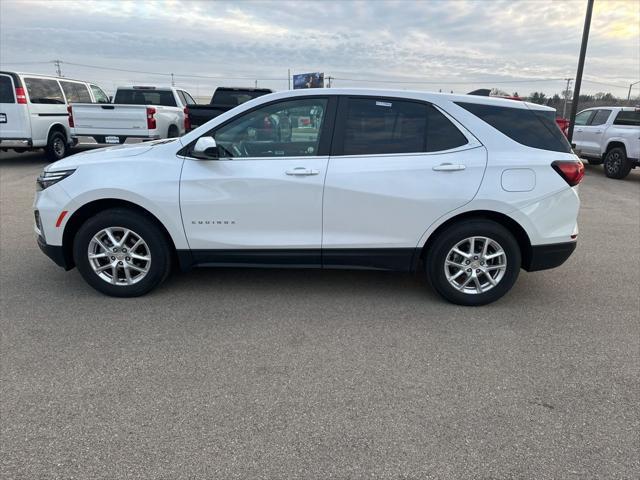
610, 135
136, 113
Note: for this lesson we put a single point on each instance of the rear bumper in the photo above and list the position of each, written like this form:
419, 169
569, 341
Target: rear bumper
100, 139
54, 252
15, 143
543, 257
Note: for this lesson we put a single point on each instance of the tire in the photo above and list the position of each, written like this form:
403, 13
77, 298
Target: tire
153, 255
616, 163
502, 268
173, 132
595, 161
57, 147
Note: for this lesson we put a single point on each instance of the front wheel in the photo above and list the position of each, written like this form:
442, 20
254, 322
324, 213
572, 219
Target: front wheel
473, 263
121, 253
616, 163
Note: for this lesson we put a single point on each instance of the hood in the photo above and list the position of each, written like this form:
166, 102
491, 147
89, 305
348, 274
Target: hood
107, 154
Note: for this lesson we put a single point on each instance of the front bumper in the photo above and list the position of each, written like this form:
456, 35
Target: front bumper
543, 257
54, 252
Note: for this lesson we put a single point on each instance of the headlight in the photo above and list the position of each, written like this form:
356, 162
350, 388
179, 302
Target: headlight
46, 179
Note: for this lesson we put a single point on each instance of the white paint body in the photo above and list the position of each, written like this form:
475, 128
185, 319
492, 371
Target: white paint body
373, 201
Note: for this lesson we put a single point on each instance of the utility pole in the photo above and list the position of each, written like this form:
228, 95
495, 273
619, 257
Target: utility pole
583, 53
289, 78
173, 83
58, 68
629, 94
566, 97
329, 78
256, 84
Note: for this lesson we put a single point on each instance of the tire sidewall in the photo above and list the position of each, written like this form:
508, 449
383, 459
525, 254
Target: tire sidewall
622, 170
439, 250
157, 243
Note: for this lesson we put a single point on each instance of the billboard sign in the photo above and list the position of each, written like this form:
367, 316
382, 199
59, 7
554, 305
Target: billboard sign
308, 80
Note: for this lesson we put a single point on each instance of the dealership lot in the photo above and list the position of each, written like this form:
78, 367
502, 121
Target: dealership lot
319, 374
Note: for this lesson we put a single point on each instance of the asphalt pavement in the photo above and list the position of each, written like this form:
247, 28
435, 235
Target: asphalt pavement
287, 374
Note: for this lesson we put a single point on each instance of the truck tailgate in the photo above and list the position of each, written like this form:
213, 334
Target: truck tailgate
109, 119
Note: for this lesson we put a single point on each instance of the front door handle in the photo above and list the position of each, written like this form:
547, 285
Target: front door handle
302, 171
448, 167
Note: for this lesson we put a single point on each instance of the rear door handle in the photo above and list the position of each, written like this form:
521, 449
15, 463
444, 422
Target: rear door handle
448, 167
302, 171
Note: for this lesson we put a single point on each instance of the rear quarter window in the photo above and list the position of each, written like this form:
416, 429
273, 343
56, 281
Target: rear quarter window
44, 90
145, 97
6, 90
628, 118
76, 92
533, 128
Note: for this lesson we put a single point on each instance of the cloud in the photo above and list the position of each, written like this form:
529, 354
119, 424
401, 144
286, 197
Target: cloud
436, 41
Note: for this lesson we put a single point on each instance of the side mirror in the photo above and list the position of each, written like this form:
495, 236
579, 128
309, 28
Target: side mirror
205, 149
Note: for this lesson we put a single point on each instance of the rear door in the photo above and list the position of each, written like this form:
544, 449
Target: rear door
396, 167
47, 106
592, 133
14, 116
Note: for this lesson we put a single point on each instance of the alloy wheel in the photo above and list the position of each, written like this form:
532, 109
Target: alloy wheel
475, 265
119, 256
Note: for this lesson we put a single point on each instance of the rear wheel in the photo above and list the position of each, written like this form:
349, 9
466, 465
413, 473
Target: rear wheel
473, 263
57, 147
121, 253
173, 132
616, 163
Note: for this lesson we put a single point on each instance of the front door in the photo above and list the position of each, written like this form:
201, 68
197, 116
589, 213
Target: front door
399, 166
260, 202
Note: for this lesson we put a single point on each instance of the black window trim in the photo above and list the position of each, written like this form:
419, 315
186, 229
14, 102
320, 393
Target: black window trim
326, 135
339, 134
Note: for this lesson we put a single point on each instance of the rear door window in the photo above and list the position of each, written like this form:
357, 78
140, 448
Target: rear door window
386, 126
533, 128
627, 118
601, 117
44, 90
76, 92
6, 90
145, 97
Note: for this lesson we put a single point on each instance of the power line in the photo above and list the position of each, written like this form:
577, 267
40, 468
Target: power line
441, 82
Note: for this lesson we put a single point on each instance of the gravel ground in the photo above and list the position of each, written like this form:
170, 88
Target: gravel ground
248, 373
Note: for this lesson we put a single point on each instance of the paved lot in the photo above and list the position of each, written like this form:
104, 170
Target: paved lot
310, 374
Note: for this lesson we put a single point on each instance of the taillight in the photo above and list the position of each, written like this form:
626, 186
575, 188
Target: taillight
187, 120
151, 120
20, 96
70, 112
571, 171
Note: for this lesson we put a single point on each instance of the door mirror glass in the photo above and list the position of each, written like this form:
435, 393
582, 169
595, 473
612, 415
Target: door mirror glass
205, 148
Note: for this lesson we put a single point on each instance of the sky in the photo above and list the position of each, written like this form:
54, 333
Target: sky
515, 45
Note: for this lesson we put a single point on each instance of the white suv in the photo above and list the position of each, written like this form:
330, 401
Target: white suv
468, 189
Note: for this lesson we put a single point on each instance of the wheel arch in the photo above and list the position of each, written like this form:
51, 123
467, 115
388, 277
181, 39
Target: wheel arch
614, 144
92, 208
58, 127
520, 234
